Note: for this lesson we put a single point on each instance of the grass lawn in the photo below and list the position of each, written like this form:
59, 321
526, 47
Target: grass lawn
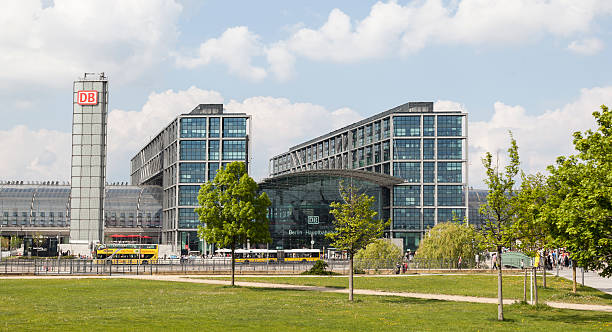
122, 304
558, 289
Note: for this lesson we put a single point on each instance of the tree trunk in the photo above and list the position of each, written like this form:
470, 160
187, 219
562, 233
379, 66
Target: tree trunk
233, 263
500, 297
535, 285
573, 277
525, 287
545, 260
351, 277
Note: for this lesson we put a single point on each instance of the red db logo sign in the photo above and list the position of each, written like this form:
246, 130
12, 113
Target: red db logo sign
87, 97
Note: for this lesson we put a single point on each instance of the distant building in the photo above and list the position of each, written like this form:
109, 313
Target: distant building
184, 155
425, 148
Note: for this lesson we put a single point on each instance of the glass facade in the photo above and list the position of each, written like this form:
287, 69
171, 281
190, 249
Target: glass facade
188, 218
449, 172
407, 125
193, 150
300, 207
409, 149
411, 172
234, 127
450, 148
193, 128
407, 219
192, 172
234, 150
190, 150
188, 195
449, 125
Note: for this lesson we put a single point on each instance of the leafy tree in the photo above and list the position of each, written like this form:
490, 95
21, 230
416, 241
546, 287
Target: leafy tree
499, 211
450, 241
230, 211
355, 226
532, 227
580, 204
15, 242
380, 254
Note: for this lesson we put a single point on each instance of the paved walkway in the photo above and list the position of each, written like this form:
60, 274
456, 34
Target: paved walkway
441, 297
591, 279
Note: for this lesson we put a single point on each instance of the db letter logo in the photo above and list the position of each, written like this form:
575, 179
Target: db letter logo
87, 97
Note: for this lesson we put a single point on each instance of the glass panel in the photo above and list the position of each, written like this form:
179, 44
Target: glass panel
449, 125
406, 149
193, 127
192, 172
215, 126
234, 150
449, 149
449, 172
411, 172
407, 125
450, 196
407, 195
406, 219
428, 125
193, 150
234, 127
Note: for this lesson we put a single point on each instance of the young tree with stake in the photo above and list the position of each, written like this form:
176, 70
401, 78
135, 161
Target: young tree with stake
355, 226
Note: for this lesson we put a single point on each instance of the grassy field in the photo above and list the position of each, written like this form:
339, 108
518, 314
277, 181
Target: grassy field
558, 290
121, 304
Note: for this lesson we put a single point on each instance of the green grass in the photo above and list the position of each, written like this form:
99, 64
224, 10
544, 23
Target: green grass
122, 304
558, 289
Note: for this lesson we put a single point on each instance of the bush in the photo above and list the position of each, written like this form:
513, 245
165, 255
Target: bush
380, 254
319, 268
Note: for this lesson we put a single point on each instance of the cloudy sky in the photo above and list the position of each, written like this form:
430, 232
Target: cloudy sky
536, 67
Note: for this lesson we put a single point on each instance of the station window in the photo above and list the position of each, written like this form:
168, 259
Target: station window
193, 127
234, 150
193, 150
234, 127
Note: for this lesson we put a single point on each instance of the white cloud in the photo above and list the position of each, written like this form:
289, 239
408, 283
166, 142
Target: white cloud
391, 29
39, 155
589, 46
235, 48
541, 138
277, 124
129, 131
55, 43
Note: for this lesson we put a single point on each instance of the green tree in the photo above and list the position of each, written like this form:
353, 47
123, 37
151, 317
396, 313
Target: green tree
231, 213
449, 241
580, 204
532, 228
380, 254
499, 210
15, 242
355, 226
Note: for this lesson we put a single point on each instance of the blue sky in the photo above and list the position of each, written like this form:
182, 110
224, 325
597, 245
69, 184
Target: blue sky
538, 68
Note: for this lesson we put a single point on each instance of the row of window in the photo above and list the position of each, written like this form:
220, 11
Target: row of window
196, 150
448, 125
447, 172
411, 218
196, 172
196, 127
452, 195
410, 149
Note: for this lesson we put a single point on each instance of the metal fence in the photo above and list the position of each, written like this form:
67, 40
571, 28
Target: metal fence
221, 266
174, 266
